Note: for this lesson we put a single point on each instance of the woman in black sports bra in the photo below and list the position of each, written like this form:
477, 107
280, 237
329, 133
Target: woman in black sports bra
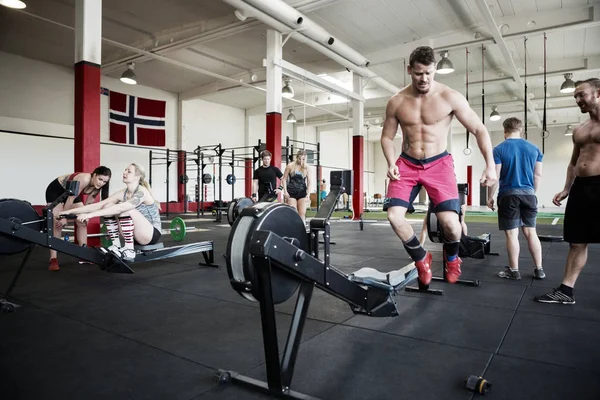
296, 181
90, 186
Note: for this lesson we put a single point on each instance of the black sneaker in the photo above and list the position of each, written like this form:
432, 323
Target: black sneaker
510, 274
555, 297
538, 273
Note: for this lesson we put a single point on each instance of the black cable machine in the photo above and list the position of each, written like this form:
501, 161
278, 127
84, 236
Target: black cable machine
166, 157
21, 229
205, 160
290, 154
270, 256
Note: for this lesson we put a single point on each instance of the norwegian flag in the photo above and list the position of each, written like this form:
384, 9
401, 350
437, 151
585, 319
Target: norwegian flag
137, 121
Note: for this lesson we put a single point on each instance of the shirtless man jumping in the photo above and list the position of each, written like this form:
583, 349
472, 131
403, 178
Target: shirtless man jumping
424, 110
582, 222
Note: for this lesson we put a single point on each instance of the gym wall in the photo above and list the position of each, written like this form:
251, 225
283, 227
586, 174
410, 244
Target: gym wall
558, 148
205, 123
37, 98
336, 152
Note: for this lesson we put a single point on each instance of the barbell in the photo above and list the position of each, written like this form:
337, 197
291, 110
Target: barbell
177, 229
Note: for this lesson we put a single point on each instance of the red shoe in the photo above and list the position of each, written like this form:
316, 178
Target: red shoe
424, 269
53, 265
453, 269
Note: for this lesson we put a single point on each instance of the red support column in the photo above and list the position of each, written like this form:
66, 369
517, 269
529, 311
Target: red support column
181, 171
358, 201
249, 174
88, 40
274, 137
469, 184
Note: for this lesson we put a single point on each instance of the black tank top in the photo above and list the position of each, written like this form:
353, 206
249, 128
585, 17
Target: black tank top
296, 181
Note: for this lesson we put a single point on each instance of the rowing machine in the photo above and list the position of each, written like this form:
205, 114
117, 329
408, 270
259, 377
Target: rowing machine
270, 257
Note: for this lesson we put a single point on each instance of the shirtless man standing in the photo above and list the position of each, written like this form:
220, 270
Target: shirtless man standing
424, 110
582, 225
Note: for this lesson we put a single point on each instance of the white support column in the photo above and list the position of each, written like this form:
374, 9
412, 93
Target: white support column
358, 107
88, 31
274, 106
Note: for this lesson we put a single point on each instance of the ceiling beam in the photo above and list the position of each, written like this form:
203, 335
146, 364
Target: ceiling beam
491, 24
208, 36
547, 21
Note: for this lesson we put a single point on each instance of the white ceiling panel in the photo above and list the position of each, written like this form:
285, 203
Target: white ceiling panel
545, 5
524, 7
574, 43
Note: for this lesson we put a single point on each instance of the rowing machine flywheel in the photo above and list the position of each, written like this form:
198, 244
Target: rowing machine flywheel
278, 218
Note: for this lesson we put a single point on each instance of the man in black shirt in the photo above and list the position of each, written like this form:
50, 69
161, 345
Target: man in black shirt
265, 177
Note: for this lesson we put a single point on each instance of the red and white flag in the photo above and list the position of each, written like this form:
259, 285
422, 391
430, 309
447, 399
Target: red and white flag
137, 121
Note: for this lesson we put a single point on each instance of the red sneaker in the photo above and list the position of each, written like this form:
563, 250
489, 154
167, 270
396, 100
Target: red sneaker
53, 265
453, 269
424, 269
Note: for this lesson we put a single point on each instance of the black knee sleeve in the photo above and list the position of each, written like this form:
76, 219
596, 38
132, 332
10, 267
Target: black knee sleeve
451, 248
414, 249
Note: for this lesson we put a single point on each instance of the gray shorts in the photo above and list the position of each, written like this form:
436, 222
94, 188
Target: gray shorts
515, 210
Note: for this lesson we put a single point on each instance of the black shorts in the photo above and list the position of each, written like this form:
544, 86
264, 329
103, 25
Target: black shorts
155, 237
55, 190
298, 194
515, 210
582, 215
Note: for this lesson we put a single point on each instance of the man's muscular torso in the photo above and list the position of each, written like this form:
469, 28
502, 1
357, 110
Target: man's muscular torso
587, 138
424, 120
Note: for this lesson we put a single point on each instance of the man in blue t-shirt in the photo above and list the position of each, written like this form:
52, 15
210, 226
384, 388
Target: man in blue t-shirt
519, 168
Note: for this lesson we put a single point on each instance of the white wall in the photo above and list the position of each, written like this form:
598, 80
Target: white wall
207, 124
37, 98
557, 153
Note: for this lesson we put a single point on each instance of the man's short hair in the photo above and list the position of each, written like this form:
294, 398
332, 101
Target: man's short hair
422, 55
512, 124
595, 82
265, 153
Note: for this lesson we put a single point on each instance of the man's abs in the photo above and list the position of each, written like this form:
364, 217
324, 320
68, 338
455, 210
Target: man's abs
588, 162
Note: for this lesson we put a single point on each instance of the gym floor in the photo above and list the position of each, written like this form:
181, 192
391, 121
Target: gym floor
162, 332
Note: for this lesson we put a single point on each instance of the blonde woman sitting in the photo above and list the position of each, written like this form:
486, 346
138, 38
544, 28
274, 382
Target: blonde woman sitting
296, 181
134, 210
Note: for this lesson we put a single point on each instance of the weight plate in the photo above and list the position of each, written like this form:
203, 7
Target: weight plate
230, 179
280, 219
206, 178
105, 241
23, 211
177, 229
230, 211
241, 205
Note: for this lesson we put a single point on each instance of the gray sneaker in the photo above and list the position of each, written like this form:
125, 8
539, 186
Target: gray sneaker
538, 273
508, 274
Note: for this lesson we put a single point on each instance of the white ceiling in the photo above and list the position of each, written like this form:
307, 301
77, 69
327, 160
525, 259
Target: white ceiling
205, 35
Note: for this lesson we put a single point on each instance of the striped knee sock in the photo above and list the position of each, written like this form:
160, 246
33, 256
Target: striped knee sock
127, 230
112, 227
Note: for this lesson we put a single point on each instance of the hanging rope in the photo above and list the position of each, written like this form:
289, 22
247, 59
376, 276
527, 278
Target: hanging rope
525, 97
483, 84
405, 72
545, 132
467, 149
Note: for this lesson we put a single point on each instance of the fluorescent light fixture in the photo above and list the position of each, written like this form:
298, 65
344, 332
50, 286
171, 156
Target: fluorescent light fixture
569, 131
495, 115
128, 76
568, 86
17, 4
445, 65
291, 118
287, 91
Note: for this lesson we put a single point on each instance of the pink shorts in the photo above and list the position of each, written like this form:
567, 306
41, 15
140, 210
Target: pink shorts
435, 174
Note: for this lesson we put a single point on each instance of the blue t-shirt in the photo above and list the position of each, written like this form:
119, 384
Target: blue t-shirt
518, 158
